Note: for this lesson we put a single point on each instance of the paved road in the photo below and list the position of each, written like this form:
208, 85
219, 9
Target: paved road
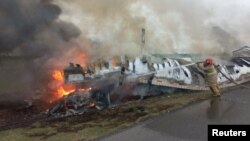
190, 123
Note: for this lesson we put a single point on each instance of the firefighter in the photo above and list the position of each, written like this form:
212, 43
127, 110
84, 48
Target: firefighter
210, 75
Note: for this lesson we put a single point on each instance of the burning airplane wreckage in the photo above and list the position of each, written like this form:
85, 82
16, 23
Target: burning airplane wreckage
112, 81
103, 85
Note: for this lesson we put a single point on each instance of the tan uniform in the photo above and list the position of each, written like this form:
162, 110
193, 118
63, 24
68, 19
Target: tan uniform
211, 76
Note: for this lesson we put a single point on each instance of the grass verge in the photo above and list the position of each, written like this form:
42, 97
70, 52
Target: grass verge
101, 123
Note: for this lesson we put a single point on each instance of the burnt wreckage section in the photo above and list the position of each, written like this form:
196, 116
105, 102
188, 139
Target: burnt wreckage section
94, 97
138, 78
242, 56
79, 102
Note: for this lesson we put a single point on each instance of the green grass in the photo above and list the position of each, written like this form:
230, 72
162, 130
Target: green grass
101, 123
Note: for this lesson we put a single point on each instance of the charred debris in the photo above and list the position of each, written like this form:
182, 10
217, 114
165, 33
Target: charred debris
110, 82
103, 85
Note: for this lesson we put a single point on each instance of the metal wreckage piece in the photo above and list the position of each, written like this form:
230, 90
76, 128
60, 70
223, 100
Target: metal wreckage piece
79, 102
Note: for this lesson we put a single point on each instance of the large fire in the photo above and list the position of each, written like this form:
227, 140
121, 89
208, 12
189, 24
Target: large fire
61, 89
56, 84
57, 75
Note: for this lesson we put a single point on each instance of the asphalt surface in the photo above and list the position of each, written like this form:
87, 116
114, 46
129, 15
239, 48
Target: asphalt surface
190, 123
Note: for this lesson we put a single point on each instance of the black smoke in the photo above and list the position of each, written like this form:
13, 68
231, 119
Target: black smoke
33, 26
31, 34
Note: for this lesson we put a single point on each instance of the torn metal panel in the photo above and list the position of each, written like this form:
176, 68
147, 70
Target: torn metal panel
79, 102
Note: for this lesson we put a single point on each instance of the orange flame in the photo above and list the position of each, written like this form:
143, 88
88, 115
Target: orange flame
115, 61
56, 85
61, 89
57, 75
63, 92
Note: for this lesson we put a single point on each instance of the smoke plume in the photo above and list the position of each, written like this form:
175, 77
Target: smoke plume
112, 27
33, 27
32, 40
55, 32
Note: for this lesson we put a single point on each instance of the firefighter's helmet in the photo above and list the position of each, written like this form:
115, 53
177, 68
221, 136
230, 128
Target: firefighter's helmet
209, 61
